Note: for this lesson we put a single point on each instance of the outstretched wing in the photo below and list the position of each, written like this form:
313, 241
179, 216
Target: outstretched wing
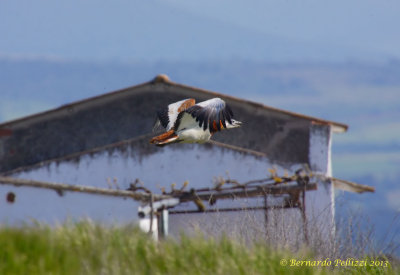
167, 116
212, 114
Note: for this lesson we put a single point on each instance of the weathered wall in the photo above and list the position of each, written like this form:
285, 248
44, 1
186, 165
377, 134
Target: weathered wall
198, 164
131, 113
320, 207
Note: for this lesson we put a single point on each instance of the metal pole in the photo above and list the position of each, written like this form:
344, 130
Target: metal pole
163, 223
266, 215
151, 214
303, 214
228, 209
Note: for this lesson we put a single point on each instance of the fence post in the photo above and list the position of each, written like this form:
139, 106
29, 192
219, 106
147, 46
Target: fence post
163, 223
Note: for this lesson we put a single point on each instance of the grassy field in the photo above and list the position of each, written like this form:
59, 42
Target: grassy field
88, 248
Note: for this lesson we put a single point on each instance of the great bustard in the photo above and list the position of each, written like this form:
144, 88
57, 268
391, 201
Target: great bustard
188, 122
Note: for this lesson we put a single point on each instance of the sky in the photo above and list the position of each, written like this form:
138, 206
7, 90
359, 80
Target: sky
154, 30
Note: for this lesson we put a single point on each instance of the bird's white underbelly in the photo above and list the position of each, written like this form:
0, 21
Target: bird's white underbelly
194, 135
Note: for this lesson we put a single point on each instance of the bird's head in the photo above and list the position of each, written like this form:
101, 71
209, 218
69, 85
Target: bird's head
234, 124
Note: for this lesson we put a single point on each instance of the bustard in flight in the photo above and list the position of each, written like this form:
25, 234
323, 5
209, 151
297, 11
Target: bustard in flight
187, 122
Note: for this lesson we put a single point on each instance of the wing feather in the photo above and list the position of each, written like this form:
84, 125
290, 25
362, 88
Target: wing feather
209, 114
168, 116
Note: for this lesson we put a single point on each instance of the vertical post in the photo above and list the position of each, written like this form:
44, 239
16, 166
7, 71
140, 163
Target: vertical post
303, 214
163, 223
266, 214
151, 214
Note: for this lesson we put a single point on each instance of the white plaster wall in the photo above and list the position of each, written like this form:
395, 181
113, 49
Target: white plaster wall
320, 208
175, 164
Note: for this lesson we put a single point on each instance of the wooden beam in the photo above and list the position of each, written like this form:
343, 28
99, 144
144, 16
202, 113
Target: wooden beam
256, 191
139, 196
193, 195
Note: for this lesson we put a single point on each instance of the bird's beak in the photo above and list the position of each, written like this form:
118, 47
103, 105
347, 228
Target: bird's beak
236, 123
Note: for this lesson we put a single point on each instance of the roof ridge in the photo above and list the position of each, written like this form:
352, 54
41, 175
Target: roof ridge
163, 79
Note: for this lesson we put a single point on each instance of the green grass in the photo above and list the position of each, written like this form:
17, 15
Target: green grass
88, 248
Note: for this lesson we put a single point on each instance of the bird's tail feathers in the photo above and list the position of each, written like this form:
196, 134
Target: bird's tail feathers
164, 139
